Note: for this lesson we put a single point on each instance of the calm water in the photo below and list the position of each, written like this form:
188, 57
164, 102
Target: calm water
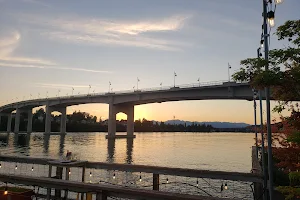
213, 151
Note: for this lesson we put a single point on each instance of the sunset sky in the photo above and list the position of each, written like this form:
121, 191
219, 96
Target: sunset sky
47, 46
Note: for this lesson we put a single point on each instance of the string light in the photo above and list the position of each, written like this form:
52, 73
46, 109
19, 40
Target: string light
69, 171
91, 174
5, 190
167, 180
271, 18
32, 168
278, 1
262, 43
16, 167
114, 176
0, 165
226, 187
197, 183
140, 176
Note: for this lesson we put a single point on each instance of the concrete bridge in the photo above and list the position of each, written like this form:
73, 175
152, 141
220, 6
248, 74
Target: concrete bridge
124, 101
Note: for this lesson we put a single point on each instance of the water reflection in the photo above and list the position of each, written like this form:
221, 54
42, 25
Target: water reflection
4, 139
129, 150
46, 143
111, 143
206, 151
22, 140
62, 144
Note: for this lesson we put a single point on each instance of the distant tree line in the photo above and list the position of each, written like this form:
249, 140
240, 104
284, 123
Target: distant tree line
84, 122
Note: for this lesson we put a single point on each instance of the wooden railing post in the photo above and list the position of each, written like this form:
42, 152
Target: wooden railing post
155, 181
59, 172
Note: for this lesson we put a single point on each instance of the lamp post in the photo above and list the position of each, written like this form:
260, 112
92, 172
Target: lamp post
174, 77
255, 121
199, 81
46, 94
58, 93
72, 91
109, 84
89, 89
160, 86
262, 135
229, 67
268, 17
137, 83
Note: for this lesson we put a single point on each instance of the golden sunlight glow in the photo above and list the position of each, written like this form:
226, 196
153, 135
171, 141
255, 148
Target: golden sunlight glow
140, 112
121, 116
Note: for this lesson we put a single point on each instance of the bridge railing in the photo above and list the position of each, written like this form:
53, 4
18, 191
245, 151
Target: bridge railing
162, 88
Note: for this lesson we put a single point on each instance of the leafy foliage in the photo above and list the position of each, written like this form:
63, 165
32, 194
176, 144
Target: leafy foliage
290, 192
285, 85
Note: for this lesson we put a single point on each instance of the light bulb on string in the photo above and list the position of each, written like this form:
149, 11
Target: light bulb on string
225, 187
16, 167
167, 180
114, 176
5, 190
278, 2
271, 18
262, 43
32, 168
197, 183
140, 177
69, 171
0, 165
91, 174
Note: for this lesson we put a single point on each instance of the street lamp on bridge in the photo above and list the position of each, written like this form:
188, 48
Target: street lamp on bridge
89, 89
174, 77
137, 83
199, 81
109, 84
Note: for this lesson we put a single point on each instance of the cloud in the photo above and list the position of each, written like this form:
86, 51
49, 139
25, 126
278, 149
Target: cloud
10, 41
13, 65
61, 86
95, 31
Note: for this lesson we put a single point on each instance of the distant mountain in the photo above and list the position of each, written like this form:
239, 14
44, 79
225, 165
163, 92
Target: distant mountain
213, 124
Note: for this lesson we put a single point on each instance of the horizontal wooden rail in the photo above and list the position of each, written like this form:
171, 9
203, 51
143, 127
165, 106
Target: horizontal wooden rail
234, 176
115, 191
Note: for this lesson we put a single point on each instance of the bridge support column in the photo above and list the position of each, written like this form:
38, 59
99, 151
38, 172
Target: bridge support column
29, 121
17, 120
48, 119
8, 128
112, 121
128, 109
63, 120
130, 121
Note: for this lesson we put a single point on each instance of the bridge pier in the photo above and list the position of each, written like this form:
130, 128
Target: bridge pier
17, 120
114, 109
63, 119
8, 128
29, 121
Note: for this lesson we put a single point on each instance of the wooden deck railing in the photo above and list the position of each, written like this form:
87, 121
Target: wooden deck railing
101, 191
